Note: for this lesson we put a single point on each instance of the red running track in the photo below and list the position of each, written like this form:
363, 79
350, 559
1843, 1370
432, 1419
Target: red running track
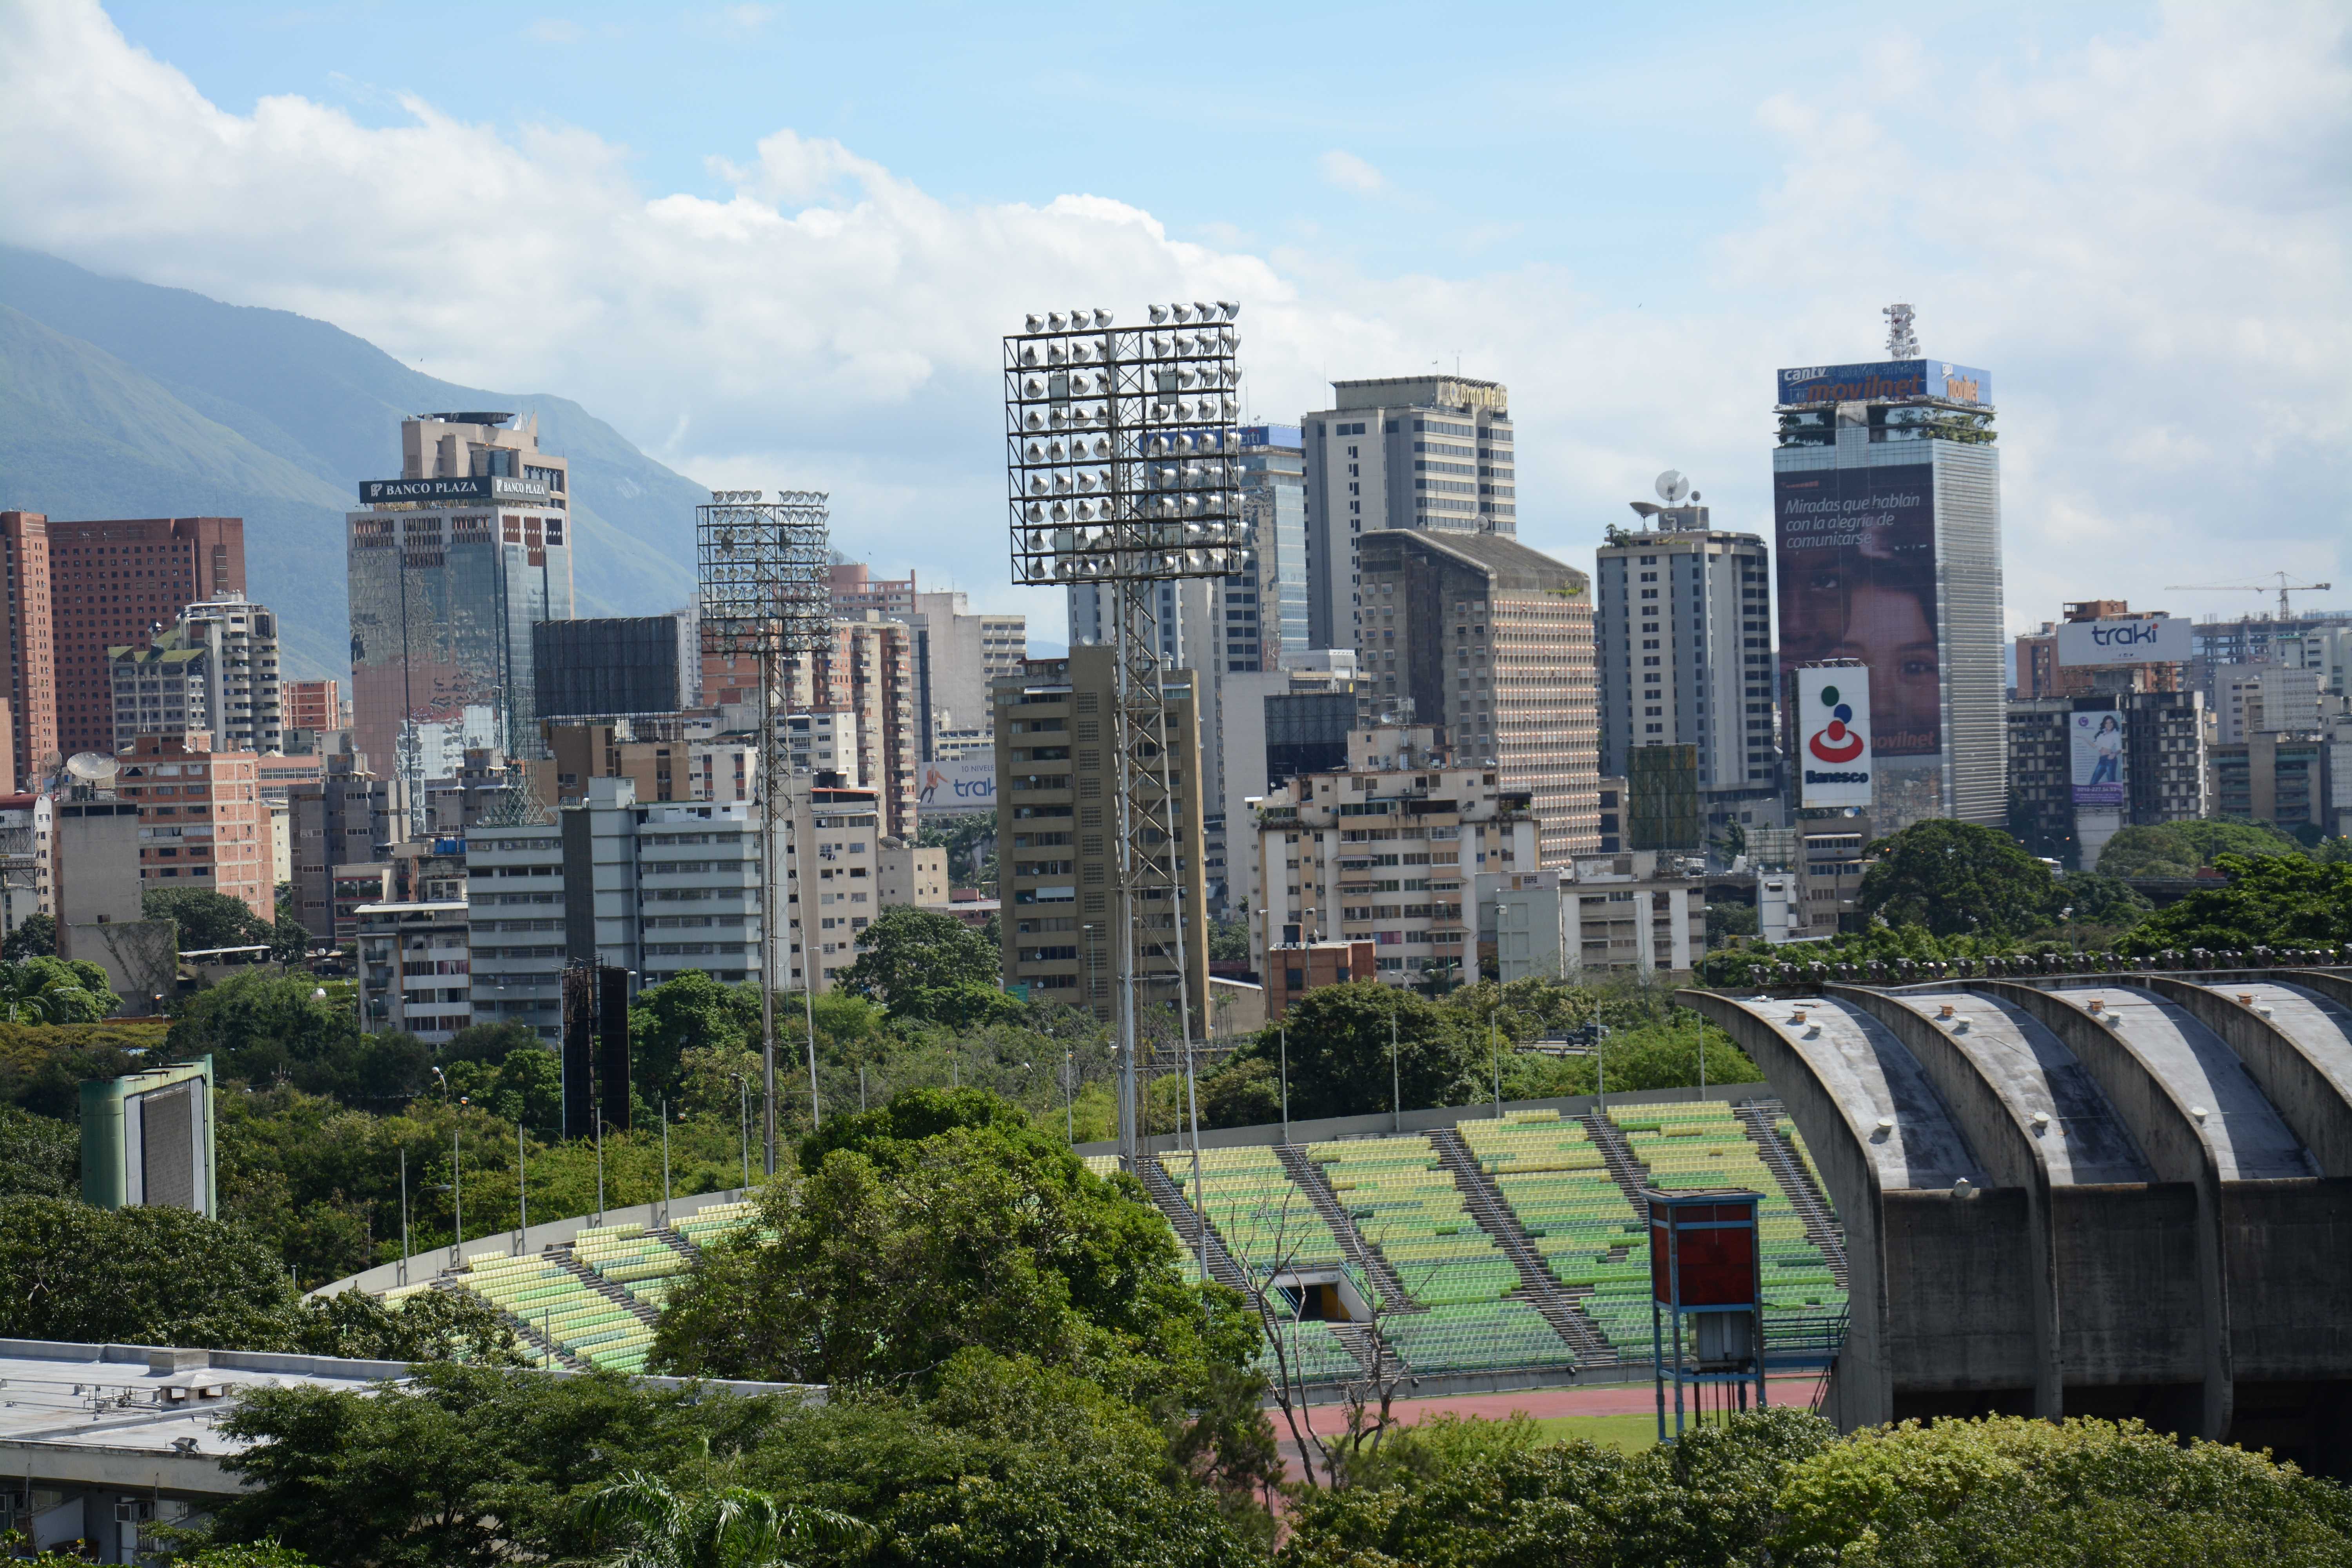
1594, 1399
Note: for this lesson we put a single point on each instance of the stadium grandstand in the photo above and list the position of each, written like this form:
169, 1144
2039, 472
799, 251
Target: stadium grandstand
2124, 1195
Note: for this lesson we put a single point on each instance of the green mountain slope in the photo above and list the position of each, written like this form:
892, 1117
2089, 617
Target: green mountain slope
121, 399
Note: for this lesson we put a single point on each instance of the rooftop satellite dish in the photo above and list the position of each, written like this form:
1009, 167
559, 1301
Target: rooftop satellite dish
1672, 486
90, 766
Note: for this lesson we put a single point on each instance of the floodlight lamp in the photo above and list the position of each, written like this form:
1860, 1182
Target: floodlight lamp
1056, 354
1206, 313
1229, 308
1036, 512
1053, 321
1029, 354
1036, 421
1036, 451
1159, 314
1181, 310
1102, 316
1037, 323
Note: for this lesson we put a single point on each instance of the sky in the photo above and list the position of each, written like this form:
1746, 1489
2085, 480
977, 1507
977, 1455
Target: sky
775, 245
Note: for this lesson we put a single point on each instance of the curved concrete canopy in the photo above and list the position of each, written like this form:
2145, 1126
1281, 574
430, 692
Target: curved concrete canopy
2320, 1024
1872, 1076
2242, 1130
2083, 1141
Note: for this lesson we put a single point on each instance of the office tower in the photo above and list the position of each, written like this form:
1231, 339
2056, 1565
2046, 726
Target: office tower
1383, 851
2286, 777
2082, 768
1491, 642
1684, 653
865, 670
80, 588
1058, 836
1278, 724
2303, 639
349, 819
202, 820
2042, 669
606, 668
312, 705
1402, 452
1887, 500
2252, 700
451, 565
1262, 616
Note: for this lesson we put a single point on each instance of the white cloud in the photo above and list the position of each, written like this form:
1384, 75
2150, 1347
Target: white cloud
555, 30
2144, 243
1351, 173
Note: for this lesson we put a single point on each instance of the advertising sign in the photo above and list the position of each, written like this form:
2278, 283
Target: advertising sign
1855, 556
2161, 641
469, 488
1832, 735
2098, 758
1884, 382
968, 784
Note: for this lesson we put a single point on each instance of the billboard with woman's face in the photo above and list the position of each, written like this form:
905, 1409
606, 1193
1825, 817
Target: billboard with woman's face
2098, 758
1855, 554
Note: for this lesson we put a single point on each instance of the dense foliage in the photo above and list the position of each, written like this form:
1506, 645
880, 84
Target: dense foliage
927, 967
38, 989
2274, 900
1957, 879
2182, 848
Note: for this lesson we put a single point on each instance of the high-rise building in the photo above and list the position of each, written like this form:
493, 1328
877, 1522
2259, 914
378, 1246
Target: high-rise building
32, 642
1637, 911
1402, 452
1058, 836
451, 566
216, 670
416, 967
84, 587
312, 705
606, 666
1386, 851
1887, 500
2252, 700
1491, 642
202, 820
959, 654
2082, 768
1278, 724
856, 592
1684, 651
867, 671
2283, 777
2042, 673
2302, 640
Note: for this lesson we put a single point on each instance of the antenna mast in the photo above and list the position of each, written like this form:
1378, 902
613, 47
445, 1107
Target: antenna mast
1902, 342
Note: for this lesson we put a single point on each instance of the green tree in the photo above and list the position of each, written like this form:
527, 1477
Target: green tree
2182, 848
205, 918
432, 1325
137, 1276
290, 939
1339, 1051
1726, 920
35, 936
53, 991
730, 1527
2100, 899
266, 1028
1955, 879
969, 837
690, 1013
39, 1157
922, 965
2275, 901
937, 1222
1229, 939
2077, 1494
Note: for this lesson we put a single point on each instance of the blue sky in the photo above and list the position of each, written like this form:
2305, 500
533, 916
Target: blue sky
774, 245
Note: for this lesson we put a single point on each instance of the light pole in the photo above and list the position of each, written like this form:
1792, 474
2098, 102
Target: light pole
1283, 1034
1396, 1076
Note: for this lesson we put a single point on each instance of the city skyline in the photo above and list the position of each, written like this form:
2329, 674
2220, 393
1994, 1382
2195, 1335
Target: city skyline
2098, 250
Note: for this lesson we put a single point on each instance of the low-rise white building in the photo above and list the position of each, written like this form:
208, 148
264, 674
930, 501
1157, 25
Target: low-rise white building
1634, 912
1384, 852
416, 968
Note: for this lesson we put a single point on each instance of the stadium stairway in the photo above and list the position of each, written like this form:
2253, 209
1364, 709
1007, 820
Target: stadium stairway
1762, 1117
1618, 1156
1186, 1222
563, 1258
1308, 1177
526, 1333
1538, 1285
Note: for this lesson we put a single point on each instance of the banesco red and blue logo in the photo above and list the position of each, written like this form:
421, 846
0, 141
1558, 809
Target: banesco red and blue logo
1835, 741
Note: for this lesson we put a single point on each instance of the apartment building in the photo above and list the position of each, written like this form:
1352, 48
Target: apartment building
314, 706
910, 874
416, 968
350, 818
1634, 912
1384, 852
202, 820
2081, 769
1058, 825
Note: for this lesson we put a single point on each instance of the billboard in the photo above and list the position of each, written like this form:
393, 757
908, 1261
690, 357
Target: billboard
1882, 383
2097, 743
1832, 736
463, 488
2160, 640
967, 783
1855, 556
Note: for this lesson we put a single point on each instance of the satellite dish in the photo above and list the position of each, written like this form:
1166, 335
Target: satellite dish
1672, 486
90, 766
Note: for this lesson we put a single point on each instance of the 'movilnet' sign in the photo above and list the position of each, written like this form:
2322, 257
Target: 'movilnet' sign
1885, 381
470, 487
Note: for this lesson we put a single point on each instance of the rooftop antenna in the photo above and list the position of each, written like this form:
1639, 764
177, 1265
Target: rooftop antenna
1902, 342
1672, 486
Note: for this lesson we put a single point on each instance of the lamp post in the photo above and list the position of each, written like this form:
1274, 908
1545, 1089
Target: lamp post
1283, 1035
1396, 1077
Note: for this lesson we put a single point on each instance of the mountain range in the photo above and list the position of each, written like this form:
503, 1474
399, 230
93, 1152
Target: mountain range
122, 399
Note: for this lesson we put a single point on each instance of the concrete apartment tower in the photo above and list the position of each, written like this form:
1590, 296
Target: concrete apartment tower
1684, 654
1426, 452
1492, 643
451, 565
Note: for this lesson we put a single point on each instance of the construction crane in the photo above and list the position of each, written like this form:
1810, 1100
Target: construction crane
2283, 587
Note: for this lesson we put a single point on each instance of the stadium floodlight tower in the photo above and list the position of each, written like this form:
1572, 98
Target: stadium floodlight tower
1122, 449
762, 573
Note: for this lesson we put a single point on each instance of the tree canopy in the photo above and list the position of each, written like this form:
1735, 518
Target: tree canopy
2272, 900
40, 990
928, 966
2182, 848
205, 918
1957, 879
1339, 1046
